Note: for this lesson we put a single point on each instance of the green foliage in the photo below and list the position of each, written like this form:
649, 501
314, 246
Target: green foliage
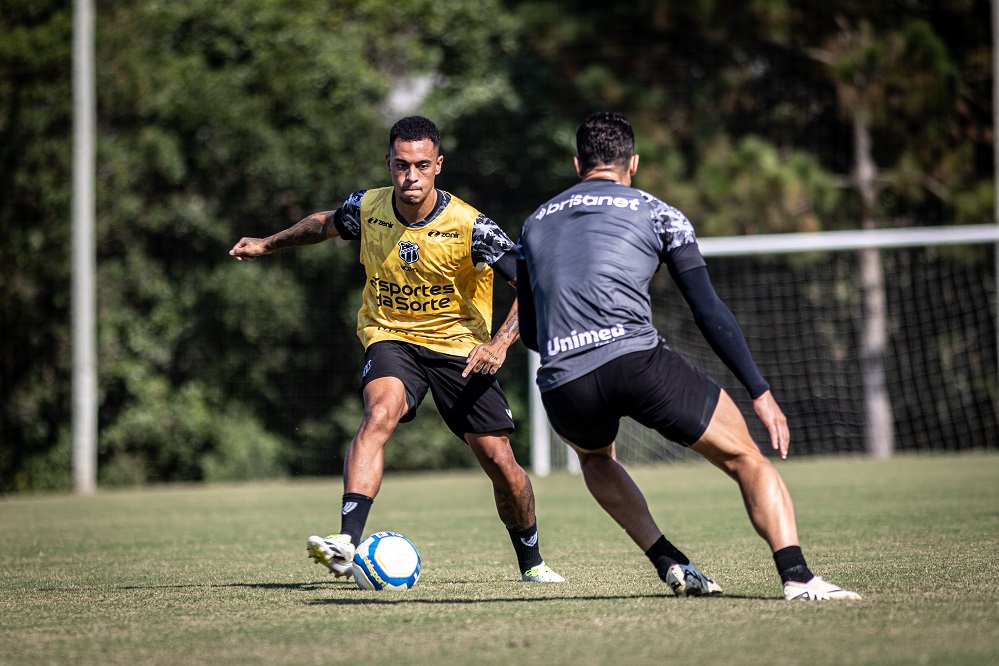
975, 205
230, 121
186, 435
35, 86
50, 470
752, 188
696, 76
217, 121
245, 451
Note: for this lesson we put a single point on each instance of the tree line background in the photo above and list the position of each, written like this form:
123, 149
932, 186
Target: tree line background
219, 120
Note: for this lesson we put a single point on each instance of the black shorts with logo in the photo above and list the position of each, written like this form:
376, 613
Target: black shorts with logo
658, 388
468, 404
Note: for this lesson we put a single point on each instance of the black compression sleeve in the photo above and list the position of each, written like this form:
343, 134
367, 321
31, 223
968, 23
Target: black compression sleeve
720, 328
525, 307
505, 266
341, 228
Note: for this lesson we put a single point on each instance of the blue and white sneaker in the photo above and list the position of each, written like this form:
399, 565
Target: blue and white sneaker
541, 574
816, 590
686, 580
336, 552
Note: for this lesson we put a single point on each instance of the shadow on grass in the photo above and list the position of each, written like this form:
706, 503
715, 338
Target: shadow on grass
305, 587
393, 599
360, 597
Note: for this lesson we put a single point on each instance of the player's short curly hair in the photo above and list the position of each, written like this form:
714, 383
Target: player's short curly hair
604, 138
415, 128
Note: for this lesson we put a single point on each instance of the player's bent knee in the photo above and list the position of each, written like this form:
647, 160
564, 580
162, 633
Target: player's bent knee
494, 447
733, 454
382, 414
593, 457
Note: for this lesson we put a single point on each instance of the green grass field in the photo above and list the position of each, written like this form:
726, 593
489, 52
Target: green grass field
219, 574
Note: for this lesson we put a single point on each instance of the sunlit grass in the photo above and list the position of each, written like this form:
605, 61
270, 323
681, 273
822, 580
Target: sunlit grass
219, 574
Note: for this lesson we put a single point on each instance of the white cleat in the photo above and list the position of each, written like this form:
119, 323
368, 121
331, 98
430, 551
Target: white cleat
688, 581
541, 574
336, 552
816, 590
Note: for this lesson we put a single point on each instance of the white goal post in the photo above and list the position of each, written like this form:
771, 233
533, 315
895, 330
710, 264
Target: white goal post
913, 260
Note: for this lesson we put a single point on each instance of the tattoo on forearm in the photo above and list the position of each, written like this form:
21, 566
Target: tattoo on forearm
308, 231
511, 328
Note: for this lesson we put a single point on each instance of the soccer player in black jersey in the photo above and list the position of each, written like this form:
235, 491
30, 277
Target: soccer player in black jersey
424, 321
585, 259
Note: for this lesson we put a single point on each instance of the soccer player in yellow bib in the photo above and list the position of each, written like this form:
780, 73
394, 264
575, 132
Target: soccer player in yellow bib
425, 316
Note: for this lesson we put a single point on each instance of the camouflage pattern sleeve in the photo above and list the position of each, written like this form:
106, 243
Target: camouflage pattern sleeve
679, 249
670, 223
489, 242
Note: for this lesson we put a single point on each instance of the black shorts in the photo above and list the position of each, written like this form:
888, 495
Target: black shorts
468, 404
658, 388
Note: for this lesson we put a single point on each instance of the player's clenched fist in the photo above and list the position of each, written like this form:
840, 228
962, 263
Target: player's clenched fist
248, 249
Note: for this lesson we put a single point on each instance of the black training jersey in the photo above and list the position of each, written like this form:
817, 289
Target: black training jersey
590, 253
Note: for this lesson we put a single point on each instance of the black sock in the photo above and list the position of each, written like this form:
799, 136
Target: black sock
525, 543
791, 565
354, 514
663, 555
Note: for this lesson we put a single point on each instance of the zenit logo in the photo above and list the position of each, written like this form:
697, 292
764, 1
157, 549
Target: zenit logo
380, 223
587, 200
575, 340
442, 234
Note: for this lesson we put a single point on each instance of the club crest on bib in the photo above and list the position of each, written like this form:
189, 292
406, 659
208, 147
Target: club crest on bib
409, 252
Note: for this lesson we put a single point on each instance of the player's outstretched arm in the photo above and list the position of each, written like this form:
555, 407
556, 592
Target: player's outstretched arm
308, 231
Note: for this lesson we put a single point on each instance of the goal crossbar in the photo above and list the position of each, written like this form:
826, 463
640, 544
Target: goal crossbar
821, 241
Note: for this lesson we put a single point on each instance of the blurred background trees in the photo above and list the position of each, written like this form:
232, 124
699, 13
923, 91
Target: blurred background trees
219, 121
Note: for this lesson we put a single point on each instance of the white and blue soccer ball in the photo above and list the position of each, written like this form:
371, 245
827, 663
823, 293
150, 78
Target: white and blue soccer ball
386, 561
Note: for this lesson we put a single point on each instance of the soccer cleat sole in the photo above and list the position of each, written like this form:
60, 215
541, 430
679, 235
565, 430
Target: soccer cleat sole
689, 581
321, 553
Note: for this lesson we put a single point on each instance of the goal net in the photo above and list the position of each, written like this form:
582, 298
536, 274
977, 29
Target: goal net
801, 305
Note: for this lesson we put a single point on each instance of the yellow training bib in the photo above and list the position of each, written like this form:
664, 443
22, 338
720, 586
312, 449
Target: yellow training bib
422, 286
